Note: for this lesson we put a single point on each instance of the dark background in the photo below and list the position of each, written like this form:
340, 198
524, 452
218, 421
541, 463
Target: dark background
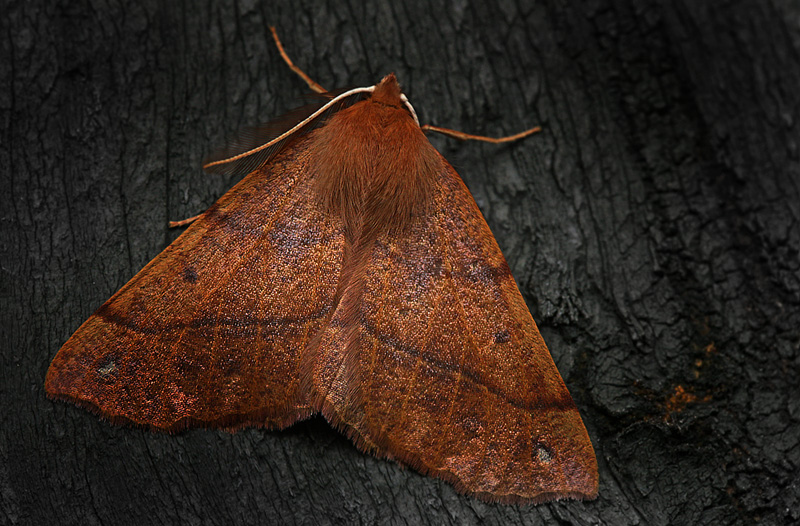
653, 228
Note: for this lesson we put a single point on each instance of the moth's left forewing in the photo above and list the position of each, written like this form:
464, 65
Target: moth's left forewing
456, 380
210, 332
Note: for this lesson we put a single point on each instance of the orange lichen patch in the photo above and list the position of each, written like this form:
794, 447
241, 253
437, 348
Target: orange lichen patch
679, 399
708, 352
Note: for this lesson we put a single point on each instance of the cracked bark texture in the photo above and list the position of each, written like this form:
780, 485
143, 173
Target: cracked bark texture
652, 228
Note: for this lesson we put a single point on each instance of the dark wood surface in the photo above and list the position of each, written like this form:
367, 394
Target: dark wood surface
653, 228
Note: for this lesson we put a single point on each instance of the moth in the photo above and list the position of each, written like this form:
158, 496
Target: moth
349, 274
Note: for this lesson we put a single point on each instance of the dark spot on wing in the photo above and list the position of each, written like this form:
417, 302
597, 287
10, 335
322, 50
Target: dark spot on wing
107, 369
190, 274
502, 337
541, 453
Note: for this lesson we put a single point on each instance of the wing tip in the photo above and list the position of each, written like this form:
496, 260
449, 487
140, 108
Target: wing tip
581, 481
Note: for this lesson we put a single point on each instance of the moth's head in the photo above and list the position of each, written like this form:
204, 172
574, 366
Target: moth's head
388, 92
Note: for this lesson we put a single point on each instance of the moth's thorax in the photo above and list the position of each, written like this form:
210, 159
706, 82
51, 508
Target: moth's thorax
372, 162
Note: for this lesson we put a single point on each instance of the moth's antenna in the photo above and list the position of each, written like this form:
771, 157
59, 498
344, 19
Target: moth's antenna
293, 129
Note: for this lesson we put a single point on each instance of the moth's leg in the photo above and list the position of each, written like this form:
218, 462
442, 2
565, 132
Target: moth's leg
311, 84
469, 137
